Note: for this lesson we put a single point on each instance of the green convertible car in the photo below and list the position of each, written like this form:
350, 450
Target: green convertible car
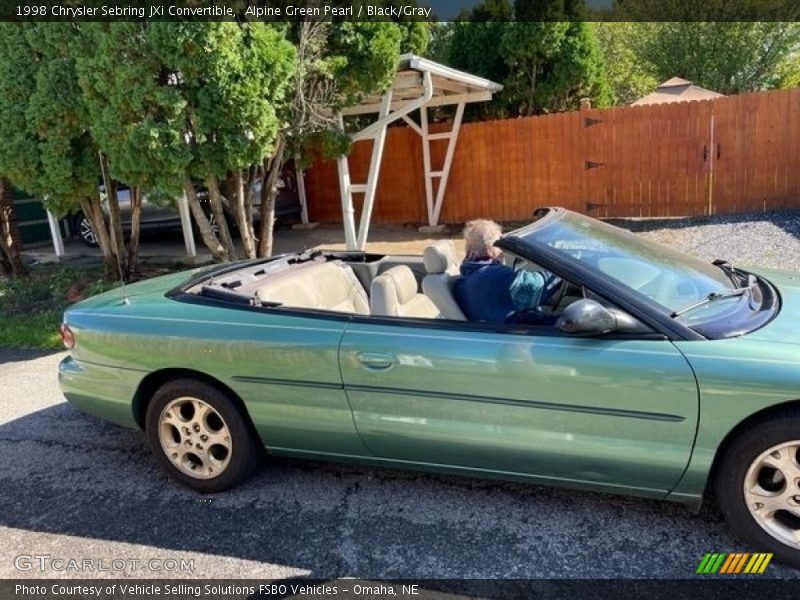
656, 374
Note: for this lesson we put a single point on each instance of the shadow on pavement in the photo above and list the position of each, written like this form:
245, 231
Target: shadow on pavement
9, 355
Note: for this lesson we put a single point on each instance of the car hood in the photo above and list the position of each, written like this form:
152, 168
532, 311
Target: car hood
785, 327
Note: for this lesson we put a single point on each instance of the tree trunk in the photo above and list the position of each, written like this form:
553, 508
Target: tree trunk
211, 241
215, 201
93, 211
269, 190
136, 226
532, 91
9, 250
5, 266
114, 219
244, 218
253, 174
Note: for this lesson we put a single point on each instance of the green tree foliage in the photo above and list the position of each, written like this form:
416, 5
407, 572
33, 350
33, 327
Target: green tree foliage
134, 114
727, 57
175, 103
45, 145
788, 73
629, 77
475, 46
544, 55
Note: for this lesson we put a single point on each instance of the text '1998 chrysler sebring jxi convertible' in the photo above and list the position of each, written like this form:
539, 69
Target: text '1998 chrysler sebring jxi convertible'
642, 371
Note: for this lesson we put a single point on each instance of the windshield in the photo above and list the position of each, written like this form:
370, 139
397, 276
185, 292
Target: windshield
669, 278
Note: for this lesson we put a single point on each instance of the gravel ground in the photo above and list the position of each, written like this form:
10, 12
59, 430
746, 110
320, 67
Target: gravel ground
770, 240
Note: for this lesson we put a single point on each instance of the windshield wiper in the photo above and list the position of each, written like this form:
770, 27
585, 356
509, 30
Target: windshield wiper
714, 296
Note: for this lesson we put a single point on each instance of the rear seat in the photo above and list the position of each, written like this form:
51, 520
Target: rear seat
326, 286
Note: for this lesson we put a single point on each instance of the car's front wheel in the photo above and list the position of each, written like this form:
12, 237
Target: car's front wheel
758, 486
199, 436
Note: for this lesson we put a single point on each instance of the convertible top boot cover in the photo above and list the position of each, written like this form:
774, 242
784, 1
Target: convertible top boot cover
325, 286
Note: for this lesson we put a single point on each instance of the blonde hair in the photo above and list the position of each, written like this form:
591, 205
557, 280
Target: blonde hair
480, 236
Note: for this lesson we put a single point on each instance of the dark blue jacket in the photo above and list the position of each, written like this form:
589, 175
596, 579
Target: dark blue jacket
490, 291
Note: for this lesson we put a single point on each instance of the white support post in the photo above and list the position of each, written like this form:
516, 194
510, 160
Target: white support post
426, 162
411, 123
448, 162
348, 212
378, 143
55, 233
376, 132
186, 226
301, 193
435, 204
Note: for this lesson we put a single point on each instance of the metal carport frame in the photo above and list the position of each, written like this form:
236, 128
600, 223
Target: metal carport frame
418, 85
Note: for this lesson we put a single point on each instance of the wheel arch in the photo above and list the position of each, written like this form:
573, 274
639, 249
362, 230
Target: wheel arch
765, 414
155, 380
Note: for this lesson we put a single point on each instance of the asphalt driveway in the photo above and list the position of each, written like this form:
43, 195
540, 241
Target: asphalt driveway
72, 486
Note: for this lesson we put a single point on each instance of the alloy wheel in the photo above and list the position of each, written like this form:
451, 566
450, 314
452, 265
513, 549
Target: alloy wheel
212, 222
195, 437
772, 492
86, 231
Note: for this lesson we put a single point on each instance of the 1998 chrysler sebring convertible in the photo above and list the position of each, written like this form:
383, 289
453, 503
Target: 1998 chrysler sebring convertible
663, 376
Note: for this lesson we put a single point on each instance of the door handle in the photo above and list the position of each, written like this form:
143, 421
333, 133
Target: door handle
377, 361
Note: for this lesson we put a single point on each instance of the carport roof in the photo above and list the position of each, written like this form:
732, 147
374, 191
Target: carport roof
450, 86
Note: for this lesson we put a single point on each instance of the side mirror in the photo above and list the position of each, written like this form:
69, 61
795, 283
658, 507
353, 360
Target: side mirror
586, 317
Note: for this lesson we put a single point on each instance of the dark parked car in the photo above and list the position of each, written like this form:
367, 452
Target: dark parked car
167, 218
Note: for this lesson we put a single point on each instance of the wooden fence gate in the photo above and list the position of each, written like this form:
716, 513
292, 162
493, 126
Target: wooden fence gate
728, 155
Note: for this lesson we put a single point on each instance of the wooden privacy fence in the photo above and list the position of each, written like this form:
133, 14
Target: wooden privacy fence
728, 155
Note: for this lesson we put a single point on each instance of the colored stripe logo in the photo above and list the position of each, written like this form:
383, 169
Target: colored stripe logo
734, 562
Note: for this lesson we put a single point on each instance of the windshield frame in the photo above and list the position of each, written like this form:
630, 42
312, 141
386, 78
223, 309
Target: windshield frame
524, 243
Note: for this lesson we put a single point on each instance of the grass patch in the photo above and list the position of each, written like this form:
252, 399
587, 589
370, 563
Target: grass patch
31, 308
37, 331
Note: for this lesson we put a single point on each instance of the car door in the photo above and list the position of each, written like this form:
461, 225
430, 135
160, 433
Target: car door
615, 413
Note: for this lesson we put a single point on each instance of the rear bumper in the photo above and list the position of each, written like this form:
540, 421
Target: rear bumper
102, 391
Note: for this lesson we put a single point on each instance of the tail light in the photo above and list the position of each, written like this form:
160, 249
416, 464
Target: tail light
67, 337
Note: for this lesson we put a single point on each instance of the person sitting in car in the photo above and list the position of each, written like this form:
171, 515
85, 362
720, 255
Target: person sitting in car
492, 292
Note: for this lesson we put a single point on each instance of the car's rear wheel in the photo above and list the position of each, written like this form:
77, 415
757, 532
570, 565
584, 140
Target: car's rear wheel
86, 231
758, 487
199, 436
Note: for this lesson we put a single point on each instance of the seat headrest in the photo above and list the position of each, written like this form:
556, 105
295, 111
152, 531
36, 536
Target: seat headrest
402, 279
439, 257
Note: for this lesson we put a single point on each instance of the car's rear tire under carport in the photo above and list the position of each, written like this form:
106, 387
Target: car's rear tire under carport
758, 486
200, 436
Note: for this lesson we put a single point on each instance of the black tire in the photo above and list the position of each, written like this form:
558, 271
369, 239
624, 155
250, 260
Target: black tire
731, 476
85, 231
244, 447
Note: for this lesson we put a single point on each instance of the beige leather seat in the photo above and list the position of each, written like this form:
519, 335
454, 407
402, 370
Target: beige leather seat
394, 294
326, 286
440, 263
